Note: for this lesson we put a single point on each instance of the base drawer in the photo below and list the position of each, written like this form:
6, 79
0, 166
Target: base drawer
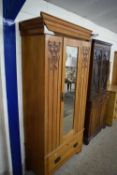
58, 157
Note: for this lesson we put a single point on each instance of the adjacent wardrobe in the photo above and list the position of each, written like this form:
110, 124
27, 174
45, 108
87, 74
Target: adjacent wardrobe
55, 63
95, 118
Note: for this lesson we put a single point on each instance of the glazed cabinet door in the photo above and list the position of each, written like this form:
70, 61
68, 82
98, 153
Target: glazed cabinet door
105, 68
96, 71
75, 67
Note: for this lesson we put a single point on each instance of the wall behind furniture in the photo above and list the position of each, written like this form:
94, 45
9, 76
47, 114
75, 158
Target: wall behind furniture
32, 9
5, 154
3, 145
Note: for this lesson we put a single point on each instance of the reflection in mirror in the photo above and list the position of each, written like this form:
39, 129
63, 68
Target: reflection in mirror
70, 87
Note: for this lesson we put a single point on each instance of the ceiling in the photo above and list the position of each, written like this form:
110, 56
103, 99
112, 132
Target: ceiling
102, 12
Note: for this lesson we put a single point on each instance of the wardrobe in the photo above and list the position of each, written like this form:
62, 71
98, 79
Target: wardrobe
55, 68
95, 118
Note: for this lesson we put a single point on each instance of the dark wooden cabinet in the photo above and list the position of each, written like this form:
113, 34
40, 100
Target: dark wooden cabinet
97, 96
55, 59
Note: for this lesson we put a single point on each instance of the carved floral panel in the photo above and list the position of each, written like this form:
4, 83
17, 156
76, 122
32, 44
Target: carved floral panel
54, 54
86, 51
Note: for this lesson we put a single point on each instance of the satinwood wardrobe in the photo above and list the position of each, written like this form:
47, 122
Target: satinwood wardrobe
55, 59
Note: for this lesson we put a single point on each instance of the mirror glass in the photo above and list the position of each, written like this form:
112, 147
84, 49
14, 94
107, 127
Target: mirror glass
70, 87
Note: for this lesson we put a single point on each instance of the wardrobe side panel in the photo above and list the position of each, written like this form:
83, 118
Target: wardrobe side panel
33, 61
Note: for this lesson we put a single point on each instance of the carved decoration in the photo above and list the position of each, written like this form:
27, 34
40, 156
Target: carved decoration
96, 71
105, 69
86, 51
100, 74
54, 49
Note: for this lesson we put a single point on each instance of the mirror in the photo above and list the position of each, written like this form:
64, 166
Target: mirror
70, 87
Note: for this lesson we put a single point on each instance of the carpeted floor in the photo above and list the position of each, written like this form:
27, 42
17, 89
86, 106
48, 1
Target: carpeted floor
98, 158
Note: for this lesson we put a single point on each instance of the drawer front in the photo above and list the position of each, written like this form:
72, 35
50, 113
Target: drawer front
57, 157
115, 108
110, 107
64, 152
116, 101
75, 143
115, 112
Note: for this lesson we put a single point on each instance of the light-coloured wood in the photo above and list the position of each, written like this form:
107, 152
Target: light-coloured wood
112, 88
33, 87
83, 58
111, 107
67, 157
76, 44
43, 59
60, 26
54, 24
114, 74
52, 95
62, 153
83, 82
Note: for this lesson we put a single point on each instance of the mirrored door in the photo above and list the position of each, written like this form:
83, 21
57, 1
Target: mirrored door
69, 85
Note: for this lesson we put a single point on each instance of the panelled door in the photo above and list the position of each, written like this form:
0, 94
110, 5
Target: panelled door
96, 72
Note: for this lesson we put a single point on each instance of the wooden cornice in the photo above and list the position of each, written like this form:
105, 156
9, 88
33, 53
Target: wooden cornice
101, 42
36, 26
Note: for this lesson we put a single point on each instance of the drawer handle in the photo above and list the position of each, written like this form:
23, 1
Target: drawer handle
75, 145
57, 160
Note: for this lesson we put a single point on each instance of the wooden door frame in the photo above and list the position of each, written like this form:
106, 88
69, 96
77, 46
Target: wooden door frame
77, 44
